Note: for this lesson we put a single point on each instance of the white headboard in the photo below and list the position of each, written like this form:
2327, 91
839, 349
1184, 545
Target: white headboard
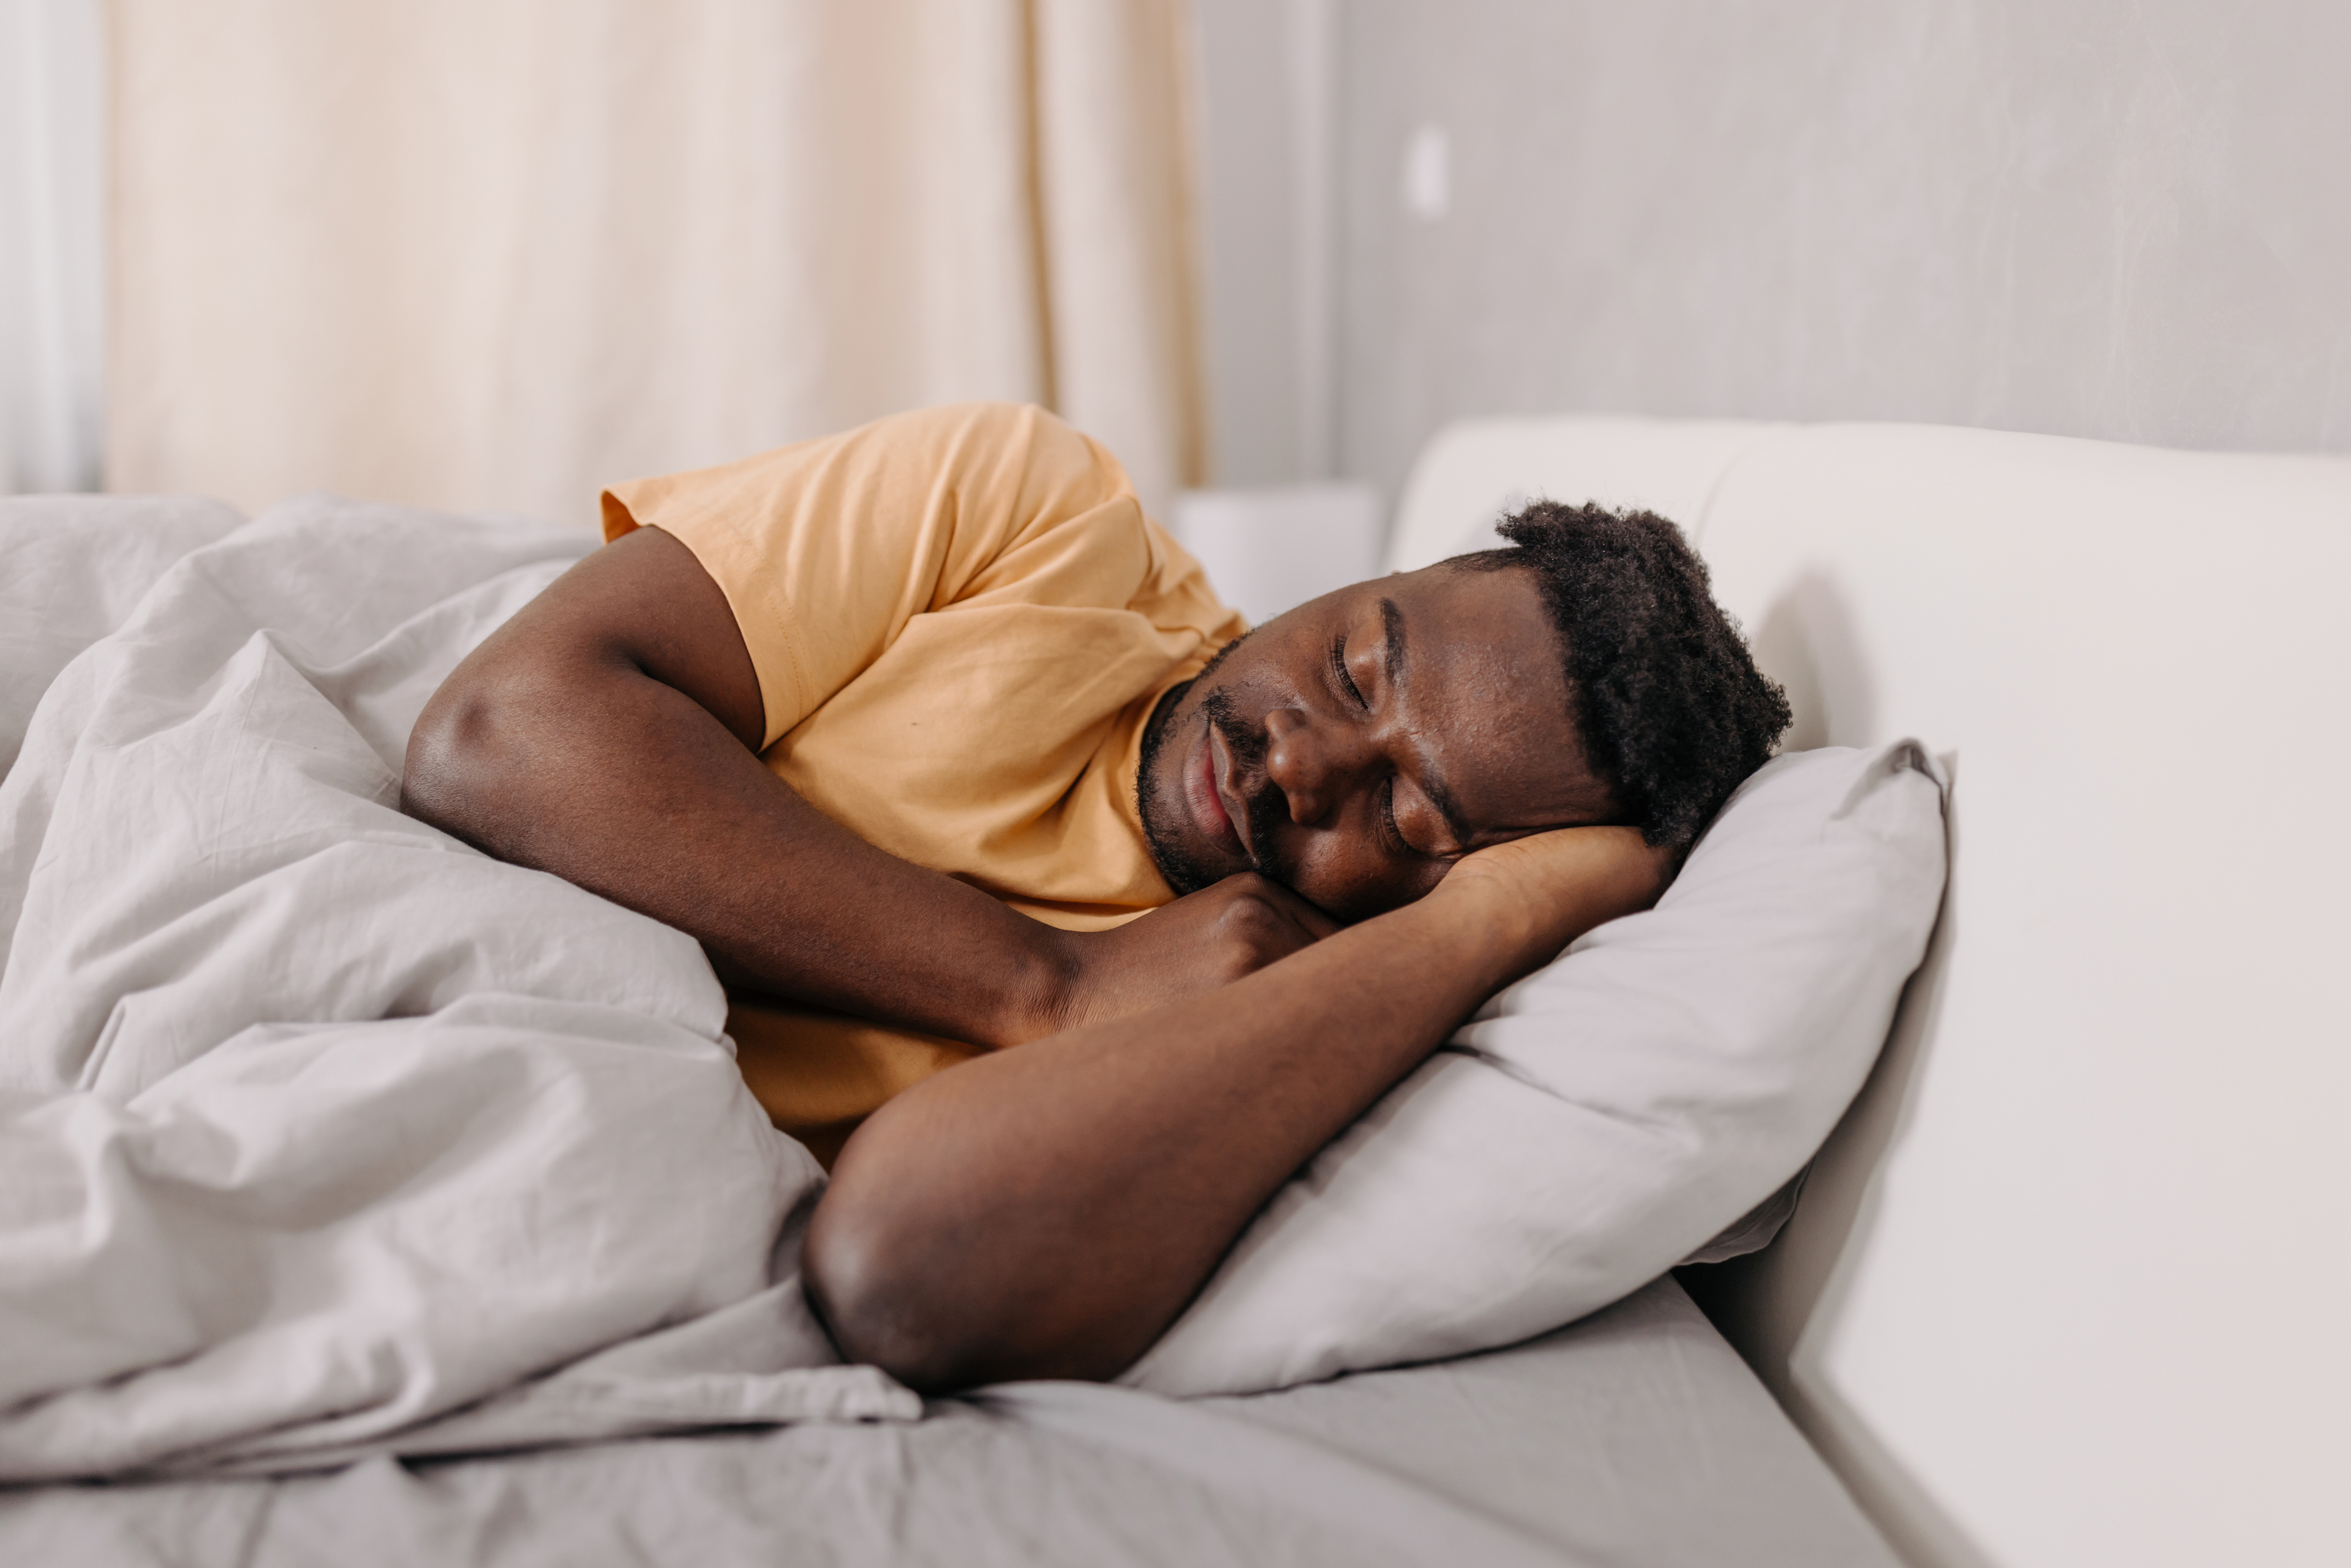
1472, 474
2068, 1285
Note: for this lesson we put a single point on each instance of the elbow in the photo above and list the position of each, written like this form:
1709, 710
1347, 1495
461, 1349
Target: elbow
949, 1257
926, 1276
439, 780
862, 1274
920, 1264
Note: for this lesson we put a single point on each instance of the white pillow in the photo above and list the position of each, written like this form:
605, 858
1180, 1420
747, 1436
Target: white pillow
1602, 1119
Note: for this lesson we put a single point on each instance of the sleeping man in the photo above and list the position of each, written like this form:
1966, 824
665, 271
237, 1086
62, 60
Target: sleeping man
941, 748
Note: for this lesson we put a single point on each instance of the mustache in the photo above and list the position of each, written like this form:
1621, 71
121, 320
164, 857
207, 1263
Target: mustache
1266, 806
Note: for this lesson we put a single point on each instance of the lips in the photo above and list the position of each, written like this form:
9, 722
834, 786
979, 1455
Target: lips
1222, 773
1209, 790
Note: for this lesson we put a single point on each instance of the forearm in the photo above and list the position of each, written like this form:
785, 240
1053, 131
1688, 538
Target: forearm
572, 760
1049, 1211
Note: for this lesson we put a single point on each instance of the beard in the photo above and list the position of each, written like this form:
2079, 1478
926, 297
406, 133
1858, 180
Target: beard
1159, 833
1267, 807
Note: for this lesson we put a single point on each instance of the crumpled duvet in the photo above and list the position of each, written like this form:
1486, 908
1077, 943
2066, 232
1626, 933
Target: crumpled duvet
320, 1133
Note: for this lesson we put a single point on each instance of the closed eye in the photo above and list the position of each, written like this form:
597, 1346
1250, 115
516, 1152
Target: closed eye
1389, 832
1346, 681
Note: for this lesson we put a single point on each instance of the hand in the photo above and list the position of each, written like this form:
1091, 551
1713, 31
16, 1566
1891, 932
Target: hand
1197, 943
1538, 894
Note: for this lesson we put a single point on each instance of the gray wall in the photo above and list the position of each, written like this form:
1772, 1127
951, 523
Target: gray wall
2123, 220
1249, 238
1269, 182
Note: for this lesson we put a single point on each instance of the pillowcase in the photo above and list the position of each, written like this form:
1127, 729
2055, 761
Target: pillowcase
1665, 1078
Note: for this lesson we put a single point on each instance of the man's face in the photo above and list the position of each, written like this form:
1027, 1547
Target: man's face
1358, 746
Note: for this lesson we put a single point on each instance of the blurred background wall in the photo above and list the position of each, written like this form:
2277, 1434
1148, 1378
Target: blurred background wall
489, 257
2089, 218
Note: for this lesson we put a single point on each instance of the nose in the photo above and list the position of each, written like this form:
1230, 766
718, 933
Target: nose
1310, 764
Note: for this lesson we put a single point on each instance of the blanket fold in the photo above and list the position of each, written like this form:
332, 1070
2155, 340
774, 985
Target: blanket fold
321, 1133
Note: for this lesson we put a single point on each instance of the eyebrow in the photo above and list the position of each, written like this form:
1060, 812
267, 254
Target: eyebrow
1432, 782
1392, 624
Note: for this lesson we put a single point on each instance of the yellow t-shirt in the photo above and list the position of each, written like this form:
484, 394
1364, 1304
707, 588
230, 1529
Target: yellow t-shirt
961, 619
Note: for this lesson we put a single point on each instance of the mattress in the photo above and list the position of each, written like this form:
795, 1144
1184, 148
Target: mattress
1635, 1438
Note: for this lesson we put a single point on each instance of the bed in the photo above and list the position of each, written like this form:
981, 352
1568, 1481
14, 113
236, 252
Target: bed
1948, 1352
282, 1063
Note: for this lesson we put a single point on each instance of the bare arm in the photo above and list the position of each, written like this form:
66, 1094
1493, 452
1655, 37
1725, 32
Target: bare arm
1047, 1212
609, 733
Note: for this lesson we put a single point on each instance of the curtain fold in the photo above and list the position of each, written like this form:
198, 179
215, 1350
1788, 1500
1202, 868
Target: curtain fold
495, 256
52, 239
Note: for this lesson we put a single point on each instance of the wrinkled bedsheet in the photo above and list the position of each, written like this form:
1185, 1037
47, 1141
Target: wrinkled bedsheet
1635, 1438
320, 1133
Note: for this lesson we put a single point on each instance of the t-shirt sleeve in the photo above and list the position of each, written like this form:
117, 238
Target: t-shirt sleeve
826, 549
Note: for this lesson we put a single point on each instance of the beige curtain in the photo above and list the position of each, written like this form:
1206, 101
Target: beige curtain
495, 256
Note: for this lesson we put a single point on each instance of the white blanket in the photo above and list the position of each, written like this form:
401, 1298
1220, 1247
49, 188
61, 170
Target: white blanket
320, 1132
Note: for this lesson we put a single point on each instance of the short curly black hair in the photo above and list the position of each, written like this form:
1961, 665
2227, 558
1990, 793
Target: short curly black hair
1672, 709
